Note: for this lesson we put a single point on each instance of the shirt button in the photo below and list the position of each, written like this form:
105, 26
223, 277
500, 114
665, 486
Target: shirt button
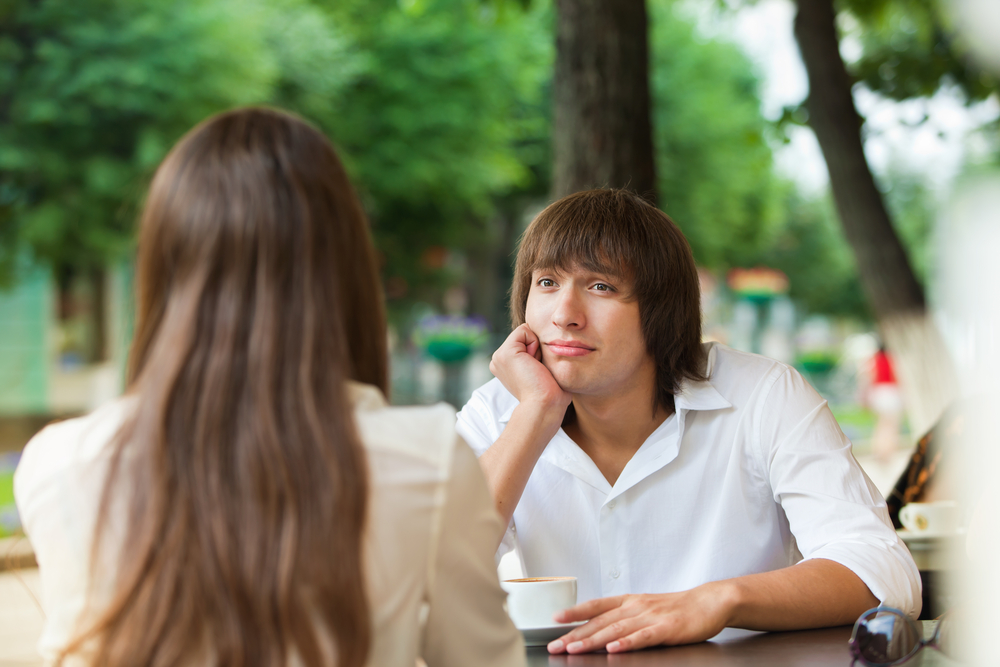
611, 505
615, 573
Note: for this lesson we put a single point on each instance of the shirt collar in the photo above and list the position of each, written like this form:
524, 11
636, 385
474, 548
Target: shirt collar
700, 395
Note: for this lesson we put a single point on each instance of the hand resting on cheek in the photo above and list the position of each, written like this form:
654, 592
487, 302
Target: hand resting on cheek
517, 364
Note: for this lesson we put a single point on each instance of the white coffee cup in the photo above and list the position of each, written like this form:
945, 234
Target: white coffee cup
533, 601
940, 517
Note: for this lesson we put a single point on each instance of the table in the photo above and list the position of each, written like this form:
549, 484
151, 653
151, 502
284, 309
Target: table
742, 648
933, 553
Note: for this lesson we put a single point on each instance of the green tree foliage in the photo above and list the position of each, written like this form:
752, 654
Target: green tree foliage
713, 160
914, 208
811, 251
440, 108
447, 117
94, 92
910, 49
810, 248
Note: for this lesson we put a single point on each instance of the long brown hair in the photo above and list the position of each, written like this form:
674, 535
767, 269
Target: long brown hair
245, 482
618, 232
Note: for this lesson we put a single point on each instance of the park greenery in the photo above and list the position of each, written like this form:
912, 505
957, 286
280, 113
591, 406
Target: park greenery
440, 109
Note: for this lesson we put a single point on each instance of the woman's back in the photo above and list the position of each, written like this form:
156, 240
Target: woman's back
428, 547
224, 509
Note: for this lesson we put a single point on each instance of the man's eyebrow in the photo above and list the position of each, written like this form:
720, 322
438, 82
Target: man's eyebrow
602, 269
605, 271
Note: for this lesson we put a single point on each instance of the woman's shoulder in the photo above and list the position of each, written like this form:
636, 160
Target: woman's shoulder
424, 432
66, 445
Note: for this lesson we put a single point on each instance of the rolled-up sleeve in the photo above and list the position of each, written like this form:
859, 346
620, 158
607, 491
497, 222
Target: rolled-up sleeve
479, 428
475, 425
834, 511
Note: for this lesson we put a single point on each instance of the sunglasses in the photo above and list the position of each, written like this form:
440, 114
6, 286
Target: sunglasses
885, 636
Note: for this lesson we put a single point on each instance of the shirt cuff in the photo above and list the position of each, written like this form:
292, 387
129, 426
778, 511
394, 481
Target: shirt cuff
887, 570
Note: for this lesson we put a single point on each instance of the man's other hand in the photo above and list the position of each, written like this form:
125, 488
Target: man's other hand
517, 364
631, 622
784, 599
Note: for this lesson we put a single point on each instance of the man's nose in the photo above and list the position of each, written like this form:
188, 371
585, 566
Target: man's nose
568, 313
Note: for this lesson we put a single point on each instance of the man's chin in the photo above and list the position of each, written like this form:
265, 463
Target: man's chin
571, 382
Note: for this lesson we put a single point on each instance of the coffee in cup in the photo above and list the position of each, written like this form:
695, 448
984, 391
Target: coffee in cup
533, 601
940, 517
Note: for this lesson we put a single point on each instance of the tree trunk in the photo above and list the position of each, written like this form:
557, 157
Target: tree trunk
98, 313
924, 367
602, 130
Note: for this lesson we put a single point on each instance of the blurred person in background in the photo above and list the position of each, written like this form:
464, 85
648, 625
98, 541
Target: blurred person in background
252, 499
886, 401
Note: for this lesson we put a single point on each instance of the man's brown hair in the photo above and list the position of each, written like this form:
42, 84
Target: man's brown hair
616, 232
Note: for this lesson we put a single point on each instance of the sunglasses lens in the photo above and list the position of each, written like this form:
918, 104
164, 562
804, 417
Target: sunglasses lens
883, 637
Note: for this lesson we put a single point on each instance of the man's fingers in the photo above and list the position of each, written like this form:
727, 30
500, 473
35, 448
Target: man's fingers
533, 345
592, 627
599, 613
522, 339
610, 633
589, 609
644, 637
525, 335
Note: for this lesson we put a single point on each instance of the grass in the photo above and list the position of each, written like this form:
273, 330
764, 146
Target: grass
8, 512
854, 416
857, 422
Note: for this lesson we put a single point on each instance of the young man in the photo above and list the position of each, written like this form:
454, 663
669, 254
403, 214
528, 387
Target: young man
688, 487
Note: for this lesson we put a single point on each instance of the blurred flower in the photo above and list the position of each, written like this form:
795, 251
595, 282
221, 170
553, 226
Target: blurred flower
450, 338
758, 284
817, 361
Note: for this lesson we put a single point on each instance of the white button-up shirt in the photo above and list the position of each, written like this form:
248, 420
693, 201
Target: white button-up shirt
750, 474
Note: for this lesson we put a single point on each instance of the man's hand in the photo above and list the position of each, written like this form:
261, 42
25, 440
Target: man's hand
815, 593
517, 364
536, 419
631, 622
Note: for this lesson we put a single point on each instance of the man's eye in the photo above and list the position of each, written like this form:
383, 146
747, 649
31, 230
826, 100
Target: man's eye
546, 282
603, 287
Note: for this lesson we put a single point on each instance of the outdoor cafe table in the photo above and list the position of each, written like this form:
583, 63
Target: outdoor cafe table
742, 648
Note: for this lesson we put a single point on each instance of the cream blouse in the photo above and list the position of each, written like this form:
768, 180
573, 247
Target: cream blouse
432, 583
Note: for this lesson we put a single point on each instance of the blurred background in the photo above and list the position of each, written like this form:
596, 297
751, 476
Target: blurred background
814, 202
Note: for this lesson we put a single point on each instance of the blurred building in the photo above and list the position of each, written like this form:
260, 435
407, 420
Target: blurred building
44, 370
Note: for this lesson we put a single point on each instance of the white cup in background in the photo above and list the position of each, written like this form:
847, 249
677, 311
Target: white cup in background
533, 601
940, 517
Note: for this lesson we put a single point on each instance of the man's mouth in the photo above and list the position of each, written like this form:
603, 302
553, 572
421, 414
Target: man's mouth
568, 348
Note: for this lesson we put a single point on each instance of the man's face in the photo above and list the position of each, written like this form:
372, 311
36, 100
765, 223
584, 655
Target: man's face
590, 332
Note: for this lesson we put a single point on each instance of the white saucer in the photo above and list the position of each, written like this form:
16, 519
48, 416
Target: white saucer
542, 636
908, 535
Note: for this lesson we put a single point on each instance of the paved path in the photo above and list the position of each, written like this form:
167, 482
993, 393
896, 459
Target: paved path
20, 618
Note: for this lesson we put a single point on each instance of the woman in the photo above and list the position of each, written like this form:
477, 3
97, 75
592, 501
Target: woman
252, 500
